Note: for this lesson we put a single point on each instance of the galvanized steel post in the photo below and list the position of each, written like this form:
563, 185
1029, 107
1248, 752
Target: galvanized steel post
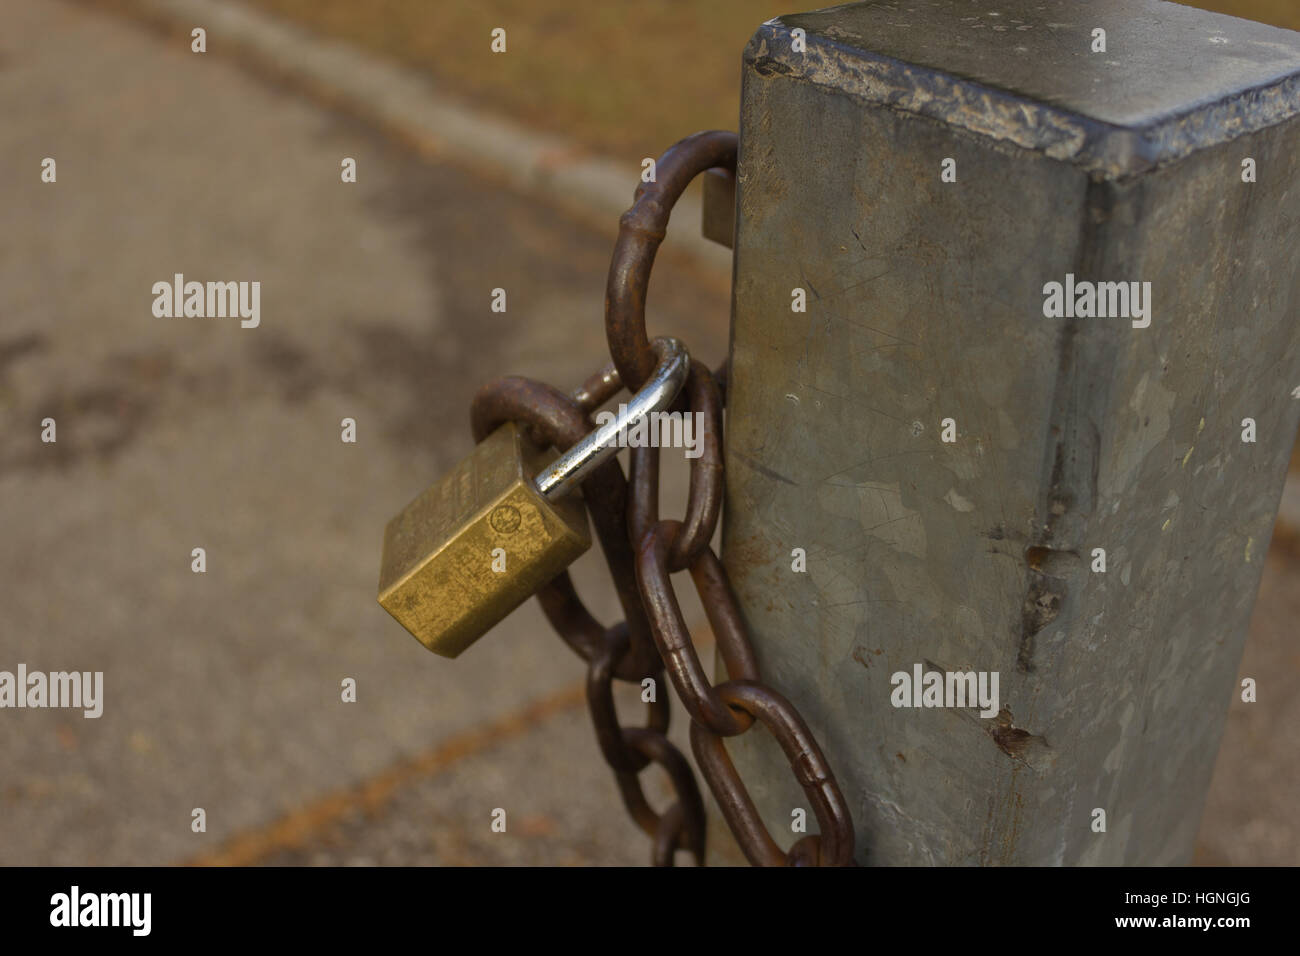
954, 449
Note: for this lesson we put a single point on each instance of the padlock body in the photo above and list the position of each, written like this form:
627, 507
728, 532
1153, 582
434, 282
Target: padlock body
443, 577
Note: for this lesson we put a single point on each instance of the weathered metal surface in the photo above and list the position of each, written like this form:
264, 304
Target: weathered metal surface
1170, 81
925, 301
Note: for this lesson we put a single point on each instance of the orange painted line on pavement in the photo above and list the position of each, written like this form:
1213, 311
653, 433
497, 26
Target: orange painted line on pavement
298, 827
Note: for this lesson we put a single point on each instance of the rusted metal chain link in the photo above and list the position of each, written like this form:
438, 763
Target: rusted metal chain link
642, 552
640, 231
560, 420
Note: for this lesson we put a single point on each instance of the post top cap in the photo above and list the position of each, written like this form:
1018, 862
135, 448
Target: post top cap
1172, 79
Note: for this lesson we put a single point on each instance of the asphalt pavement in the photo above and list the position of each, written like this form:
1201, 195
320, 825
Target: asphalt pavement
222, 689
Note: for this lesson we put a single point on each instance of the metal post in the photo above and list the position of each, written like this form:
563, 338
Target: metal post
953, 446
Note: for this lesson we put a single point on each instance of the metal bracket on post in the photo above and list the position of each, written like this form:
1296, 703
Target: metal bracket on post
1010, 409
718, 222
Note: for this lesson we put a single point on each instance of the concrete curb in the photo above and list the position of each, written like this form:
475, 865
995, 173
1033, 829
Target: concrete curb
408, 103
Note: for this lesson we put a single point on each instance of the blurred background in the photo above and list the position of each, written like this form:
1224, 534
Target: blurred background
223, 688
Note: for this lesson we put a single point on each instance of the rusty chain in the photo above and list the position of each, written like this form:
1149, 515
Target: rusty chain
642, 552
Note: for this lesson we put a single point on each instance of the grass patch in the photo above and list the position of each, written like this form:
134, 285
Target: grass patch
625, 78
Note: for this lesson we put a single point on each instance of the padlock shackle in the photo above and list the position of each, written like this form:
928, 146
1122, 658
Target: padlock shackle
660, 390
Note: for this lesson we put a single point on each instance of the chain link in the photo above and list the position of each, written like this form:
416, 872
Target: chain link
642, 552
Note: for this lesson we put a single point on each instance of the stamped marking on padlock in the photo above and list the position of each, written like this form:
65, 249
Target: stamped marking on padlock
505, 519
436, 576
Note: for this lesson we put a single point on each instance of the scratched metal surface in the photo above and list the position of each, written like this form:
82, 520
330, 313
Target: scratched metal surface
1172, 80
925, 302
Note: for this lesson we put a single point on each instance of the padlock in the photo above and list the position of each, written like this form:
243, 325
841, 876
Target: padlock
473, 547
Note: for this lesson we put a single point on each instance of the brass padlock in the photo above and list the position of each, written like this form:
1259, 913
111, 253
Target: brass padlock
502, 524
